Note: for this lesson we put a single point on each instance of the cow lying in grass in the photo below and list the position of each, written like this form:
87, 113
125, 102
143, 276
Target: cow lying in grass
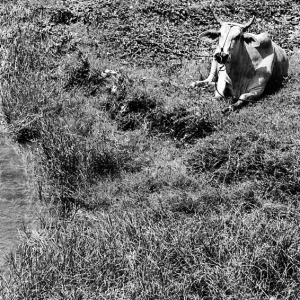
244, 64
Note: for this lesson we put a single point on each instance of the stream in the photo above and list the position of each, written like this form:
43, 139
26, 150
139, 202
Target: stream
16, 209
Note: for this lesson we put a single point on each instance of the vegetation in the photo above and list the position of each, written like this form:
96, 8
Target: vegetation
150, 192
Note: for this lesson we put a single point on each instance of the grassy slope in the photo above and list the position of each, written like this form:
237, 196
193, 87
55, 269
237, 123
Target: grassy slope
152, 193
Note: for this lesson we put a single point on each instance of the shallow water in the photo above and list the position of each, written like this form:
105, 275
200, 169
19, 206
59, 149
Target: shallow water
15, 207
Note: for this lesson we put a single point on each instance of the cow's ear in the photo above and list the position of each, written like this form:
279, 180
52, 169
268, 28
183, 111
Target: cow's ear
210, 35
251, 39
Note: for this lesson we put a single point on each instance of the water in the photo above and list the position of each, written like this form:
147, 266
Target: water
15, 207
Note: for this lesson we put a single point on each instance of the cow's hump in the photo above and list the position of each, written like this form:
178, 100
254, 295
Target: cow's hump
263, 39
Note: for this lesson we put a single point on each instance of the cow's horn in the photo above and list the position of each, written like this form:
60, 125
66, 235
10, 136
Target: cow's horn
217, 18
246, 26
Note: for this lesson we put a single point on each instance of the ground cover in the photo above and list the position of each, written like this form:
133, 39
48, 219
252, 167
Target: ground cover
151, 192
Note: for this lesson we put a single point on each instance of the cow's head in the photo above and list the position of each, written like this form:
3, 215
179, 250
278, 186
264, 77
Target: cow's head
231, 35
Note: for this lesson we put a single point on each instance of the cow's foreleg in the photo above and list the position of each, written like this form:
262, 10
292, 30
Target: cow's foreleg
213, 74
212, 77
243, 100
220, 89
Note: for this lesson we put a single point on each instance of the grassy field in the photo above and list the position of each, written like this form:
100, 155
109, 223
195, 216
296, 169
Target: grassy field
149, 191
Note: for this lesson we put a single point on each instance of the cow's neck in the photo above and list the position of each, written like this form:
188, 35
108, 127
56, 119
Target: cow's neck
239, 70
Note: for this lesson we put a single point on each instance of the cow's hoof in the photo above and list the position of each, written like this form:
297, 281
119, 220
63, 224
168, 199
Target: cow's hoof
228, 110
194, 84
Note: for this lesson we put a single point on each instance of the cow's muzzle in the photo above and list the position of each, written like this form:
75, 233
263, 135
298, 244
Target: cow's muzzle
221, 57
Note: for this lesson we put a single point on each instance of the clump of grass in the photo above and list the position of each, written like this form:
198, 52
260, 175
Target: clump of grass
78, 71
61, 15
243, 156
210, 199
74, 157
131, 108
184, 124
26, 102
28, 91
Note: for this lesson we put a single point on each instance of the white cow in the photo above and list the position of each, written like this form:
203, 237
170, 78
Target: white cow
244, 63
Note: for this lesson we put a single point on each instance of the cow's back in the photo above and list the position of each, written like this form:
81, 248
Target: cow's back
279, 63
267, 47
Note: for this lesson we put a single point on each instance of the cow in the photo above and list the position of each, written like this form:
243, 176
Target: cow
244, 64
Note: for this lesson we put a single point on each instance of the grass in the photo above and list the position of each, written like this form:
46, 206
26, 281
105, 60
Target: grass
149, 192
